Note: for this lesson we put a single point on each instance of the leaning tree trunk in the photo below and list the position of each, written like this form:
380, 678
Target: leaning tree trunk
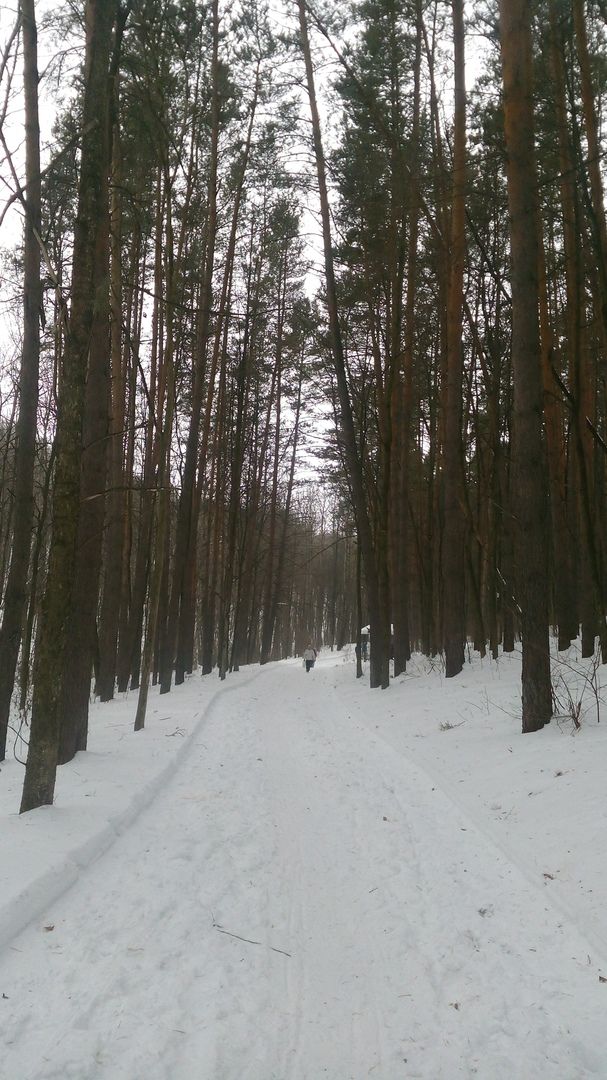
15, 596
529, 487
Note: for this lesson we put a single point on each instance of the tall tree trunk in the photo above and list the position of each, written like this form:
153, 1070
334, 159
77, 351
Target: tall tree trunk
268, 617
454, 626
243, 649
580, 375
37, 566
531, 553
6, 503
81, 644
235, 560
273, 598
51, 660
378, 611
402, 399
182, 599
223, 433
129, 652
597, 207
116, 500
166, 400
555, 451
81, 629
134, 324
15, 596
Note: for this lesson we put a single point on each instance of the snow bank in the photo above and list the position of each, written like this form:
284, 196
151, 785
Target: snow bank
97, 796
539, 797
328, 882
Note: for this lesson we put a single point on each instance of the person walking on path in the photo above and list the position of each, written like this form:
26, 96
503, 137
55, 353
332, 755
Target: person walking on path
309, 657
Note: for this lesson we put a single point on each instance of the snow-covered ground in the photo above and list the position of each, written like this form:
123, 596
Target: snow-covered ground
290, 877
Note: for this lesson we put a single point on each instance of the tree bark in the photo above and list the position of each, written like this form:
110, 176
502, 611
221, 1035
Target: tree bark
166, 400
378, 610
116, 499
50, 659
129, 652
15, 595
268, 616
182, 599
454, 626
531, 549
402, 398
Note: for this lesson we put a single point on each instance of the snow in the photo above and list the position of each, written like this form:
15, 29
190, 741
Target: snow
287, 876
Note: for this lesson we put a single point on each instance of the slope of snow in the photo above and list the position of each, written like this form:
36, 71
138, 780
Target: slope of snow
289, 877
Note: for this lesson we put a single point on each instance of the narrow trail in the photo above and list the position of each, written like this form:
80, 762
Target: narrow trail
300, 902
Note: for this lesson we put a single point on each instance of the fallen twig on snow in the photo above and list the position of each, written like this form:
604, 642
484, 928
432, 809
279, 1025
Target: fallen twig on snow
248, 940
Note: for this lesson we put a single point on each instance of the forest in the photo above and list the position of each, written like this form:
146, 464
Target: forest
304, 329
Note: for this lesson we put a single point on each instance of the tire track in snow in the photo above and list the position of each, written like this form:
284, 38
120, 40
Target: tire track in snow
291, 825
461, 940
128, 958
596, 941
488, 967
341, 1023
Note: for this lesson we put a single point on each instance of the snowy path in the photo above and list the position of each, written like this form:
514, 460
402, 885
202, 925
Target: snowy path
387, 936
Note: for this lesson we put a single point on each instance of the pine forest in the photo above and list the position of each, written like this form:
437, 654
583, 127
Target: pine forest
303, 330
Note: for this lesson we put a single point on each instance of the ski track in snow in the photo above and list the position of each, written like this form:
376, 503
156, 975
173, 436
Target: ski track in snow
417, 948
